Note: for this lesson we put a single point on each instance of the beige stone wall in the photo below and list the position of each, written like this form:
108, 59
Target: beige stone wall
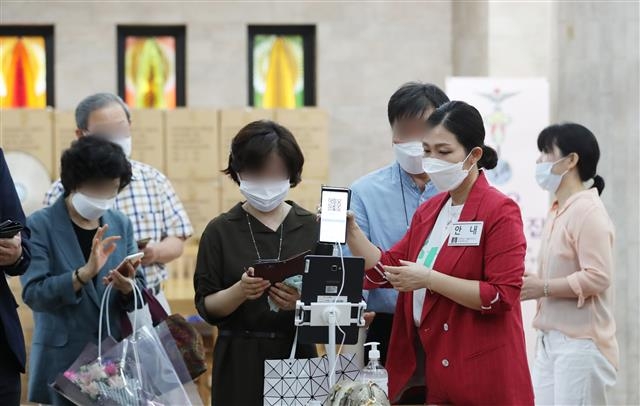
596, 66
470, 39
364, 52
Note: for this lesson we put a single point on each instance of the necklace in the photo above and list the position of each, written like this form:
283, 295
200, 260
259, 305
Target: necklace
253, 238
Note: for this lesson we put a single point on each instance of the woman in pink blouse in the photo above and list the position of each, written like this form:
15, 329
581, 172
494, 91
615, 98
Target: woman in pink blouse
577, 354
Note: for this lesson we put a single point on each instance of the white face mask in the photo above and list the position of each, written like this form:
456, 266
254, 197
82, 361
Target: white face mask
124, 142
91, 208
445, 175
546, 179
409, 156
265, 196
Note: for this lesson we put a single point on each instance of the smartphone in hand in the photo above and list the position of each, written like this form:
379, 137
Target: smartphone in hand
142, 243
133, 259
333, 222
9, 228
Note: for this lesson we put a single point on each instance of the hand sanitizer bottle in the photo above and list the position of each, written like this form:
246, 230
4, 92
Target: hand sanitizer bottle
374, 371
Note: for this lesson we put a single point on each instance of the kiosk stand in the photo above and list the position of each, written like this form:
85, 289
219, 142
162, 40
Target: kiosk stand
331, 315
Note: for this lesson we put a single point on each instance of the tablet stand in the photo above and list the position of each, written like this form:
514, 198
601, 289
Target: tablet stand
330, 314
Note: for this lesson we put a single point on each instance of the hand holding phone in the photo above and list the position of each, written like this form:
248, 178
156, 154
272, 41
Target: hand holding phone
143, 242
10, 228
10, 250
133, 260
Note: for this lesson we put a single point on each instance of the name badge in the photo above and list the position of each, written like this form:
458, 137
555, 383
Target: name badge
466, 234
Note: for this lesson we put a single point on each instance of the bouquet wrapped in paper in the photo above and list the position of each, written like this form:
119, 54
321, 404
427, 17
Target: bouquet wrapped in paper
135, 371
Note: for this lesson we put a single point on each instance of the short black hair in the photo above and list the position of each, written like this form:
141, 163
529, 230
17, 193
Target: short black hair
465, 122
91, 159
96, 102
251, 147
413, 99
574, 138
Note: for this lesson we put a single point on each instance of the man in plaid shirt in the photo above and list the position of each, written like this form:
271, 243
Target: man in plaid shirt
149, 201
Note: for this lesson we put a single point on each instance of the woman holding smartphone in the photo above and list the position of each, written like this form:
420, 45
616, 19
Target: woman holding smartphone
265, 161
76, 246
457, 331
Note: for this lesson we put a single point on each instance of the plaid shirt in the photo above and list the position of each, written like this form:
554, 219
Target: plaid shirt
153, 207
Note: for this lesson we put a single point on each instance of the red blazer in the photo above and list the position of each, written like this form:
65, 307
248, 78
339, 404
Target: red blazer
472, 357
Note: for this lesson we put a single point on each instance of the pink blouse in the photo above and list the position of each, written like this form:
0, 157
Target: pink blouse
577, 244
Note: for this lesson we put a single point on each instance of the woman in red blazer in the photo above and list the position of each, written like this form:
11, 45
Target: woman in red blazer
459, 271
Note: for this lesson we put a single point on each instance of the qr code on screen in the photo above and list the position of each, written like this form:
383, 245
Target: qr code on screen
334, 204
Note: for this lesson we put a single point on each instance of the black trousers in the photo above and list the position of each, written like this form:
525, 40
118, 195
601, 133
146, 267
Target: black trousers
380, 331
10, 387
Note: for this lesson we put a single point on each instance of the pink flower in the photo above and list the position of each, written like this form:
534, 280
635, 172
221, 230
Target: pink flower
70, 375
110, 369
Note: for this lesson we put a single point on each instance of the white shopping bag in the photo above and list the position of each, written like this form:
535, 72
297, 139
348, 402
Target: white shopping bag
297, 382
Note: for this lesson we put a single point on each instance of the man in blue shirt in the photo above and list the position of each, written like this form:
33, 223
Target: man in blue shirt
385, 200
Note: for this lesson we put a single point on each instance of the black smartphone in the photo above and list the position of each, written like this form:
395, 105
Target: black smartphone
9, 228
333, 222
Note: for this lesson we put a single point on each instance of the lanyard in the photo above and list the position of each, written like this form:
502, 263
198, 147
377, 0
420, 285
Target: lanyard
404, 201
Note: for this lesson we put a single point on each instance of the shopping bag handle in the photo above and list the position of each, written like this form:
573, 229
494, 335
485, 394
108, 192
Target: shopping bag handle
157, 312
107, 291
136, 294
104, 306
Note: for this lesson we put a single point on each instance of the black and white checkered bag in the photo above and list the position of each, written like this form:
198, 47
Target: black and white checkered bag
296, 382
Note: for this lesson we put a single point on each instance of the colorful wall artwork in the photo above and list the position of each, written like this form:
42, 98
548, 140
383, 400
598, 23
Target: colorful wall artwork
26, 77
281, 66
151, 66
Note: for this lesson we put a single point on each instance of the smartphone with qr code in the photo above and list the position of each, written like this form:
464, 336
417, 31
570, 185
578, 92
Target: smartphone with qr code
333, 221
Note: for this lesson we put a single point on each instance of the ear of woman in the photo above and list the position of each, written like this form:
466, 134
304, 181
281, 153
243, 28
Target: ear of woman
573, 160
474, 158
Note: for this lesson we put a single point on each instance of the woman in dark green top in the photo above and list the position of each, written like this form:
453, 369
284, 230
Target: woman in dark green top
265, 161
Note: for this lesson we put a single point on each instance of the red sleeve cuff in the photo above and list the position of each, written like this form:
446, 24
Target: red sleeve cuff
490, 300
374, 278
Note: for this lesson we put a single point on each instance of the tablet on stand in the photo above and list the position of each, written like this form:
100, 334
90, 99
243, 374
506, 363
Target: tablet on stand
331, 297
